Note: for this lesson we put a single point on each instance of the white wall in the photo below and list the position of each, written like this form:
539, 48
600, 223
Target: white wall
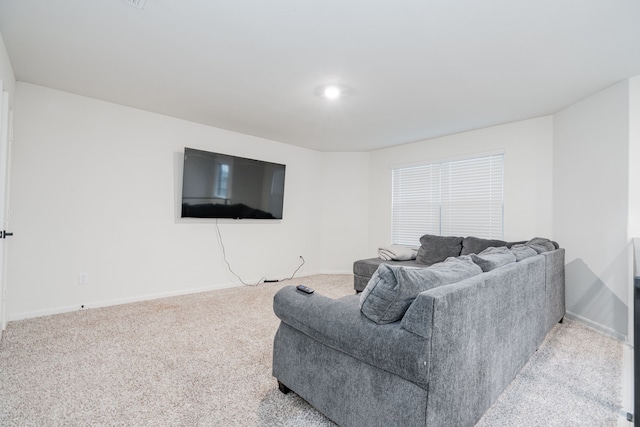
528, 175
591, 188
345, 213
6, 71
96, 189
634, 187
634, 157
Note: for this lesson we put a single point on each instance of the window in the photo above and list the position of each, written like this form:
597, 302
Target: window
456, 198
222, 180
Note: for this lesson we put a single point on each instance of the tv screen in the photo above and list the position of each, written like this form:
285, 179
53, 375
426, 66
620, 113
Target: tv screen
217, 185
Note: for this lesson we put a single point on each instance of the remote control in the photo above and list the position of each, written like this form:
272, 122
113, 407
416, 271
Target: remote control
304, 289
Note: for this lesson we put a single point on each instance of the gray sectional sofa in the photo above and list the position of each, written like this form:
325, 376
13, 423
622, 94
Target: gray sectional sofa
428, 346
432, 249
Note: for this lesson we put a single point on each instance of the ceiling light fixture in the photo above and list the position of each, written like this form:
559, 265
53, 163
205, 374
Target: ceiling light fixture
332, 92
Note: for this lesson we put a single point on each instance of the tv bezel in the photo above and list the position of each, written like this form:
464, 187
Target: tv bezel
235, 217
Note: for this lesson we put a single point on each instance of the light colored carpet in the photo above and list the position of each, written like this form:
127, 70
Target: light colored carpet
205, 360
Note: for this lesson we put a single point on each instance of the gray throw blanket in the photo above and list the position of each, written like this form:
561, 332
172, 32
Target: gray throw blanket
397, 253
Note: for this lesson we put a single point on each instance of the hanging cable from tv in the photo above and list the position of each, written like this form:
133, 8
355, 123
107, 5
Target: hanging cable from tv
262, 279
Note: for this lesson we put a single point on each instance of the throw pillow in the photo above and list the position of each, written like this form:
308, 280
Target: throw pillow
393, 288
435, 249
522, 251
540, 245
492, 258
475, 245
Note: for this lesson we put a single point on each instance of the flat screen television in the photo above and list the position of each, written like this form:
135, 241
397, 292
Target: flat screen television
216, 185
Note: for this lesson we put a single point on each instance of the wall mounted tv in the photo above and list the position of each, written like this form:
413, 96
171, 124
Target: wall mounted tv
217, 185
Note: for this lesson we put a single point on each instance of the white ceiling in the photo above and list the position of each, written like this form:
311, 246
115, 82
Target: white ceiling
415, 69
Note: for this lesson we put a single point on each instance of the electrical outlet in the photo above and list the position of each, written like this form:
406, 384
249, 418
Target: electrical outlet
83, 279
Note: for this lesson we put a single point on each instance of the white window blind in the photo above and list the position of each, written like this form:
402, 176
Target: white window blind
456, 198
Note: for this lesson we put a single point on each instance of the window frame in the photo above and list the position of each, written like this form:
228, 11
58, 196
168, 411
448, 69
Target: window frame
419, 218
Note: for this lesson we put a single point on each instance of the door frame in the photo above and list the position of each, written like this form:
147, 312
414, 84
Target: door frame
6, 137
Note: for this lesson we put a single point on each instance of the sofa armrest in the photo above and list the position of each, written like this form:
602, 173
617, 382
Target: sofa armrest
554, 287
339, 324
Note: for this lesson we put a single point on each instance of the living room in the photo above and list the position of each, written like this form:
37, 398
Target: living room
95, 188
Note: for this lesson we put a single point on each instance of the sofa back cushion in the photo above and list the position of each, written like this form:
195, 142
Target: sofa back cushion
522, 252
492, 258
475, 245
392, 289
541, 245
435, 249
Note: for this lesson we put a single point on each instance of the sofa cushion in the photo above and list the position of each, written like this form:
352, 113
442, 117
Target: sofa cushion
541, 245
366, 267
475, 245
521, 251
392, 289
435, 249
492, 258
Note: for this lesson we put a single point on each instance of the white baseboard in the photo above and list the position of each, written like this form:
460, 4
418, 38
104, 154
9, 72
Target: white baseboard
147, 297
41, 313
335, 272
598, 327
117, 301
